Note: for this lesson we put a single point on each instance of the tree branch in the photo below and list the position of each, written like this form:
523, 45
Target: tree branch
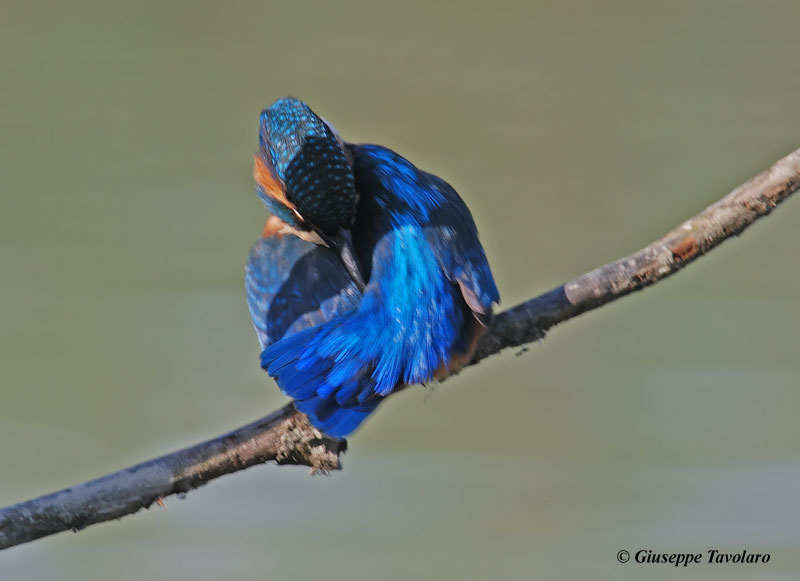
286, 437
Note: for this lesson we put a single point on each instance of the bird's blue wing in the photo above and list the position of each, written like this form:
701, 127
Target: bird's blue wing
293, 284
400, 189
454, 240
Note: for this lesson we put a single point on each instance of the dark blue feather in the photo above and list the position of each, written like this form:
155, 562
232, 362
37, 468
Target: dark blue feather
292, 284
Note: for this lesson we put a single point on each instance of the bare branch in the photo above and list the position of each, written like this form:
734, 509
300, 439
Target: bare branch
687, 242
286, 437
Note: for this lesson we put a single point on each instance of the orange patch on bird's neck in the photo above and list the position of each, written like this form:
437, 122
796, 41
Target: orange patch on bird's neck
277, 228
269, 183
274, 227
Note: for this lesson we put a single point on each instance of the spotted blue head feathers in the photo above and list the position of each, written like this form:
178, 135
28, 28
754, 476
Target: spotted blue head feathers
302, 172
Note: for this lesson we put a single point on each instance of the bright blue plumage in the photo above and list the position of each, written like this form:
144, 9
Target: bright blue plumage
429, 288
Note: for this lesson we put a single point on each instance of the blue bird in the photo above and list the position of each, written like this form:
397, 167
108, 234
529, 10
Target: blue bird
418, 298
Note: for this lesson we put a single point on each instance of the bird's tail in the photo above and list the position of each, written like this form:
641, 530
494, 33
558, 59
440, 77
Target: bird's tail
330, 371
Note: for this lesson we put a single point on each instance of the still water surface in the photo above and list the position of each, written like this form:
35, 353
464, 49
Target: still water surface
577, 132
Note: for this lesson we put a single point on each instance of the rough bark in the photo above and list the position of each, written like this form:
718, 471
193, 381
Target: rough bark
286, 437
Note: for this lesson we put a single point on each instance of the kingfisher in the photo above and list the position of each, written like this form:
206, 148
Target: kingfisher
369, 275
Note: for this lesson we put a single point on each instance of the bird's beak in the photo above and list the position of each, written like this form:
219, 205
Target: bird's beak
342, 243
347, 255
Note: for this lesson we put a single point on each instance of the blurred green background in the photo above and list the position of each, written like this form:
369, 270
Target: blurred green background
576, 131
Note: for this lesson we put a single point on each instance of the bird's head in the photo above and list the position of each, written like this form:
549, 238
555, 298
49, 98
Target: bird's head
302, 171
